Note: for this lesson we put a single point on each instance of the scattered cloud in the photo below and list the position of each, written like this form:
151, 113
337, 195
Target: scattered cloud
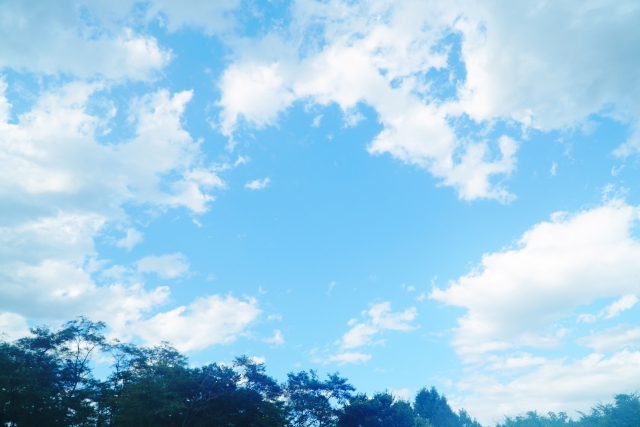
165, 266
277, 338
557, 385
400, 394
624, 303
258, 184
378, 318
206, 321
12, 326
132, 238
515, 296
331, 286
612, 339
348, 357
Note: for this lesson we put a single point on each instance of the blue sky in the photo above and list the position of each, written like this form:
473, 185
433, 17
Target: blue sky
409, 193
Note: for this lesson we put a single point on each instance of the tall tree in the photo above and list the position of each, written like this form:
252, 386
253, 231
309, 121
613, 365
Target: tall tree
379, 411
310, 401
432, 406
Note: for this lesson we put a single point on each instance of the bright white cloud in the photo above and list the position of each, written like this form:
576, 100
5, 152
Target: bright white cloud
517, 69
348, 357
52, 38
51, 156
555, 386
624, 303
401, 394
515, 296
258, 184
372, 61
612, 339
132, 238
167, 266
381, 53
12, 326
206, 321
277, 338
62, 186
380, 317
359, 335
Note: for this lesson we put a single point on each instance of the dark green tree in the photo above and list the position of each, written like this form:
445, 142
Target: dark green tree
312, 402
432, 406
378, 411
46, 380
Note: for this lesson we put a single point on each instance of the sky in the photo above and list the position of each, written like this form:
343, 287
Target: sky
411, 193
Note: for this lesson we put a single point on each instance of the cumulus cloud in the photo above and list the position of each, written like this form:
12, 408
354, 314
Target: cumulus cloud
391, 56
52, 38
348, 357
616, 338
624, 303
519, 298
12, 326
258, 184
53, 152
378, 67
132, 238
515, 295
377, 319
206, 321
167, 266
277, 338
62, 186
555, 386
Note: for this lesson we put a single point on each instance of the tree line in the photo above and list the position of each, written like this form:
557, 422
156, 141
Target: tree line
46, 380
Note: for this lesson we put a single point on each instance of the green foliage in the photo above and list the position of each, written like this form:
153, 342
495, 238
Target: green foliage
46, 381
533, 419
310, 400
378, 411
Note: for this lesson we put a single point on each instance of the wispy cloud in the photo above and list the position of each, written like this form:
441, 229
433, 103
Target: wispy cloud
258, 184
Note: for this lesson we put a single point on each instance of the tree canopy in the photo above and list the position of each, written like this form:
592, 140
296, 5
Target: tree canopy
46, 380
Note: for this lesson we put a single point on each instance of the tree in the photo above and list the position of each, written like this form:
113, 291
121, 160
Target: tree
46, 379
378, 411
310, 400
430, 405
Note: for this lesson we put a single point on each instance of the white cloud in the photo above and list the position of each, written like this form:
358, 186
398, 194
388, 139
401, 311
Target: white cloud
624, 303
347, 71
348, 357
381, 54
211, 17
52, 157
132, 238
616, 338
12, 326
277, 338
383, 318
359, 335
167, 266
555, 386
258, 184
62, 186
53, 37
380, 318
205, 322
258, 359
400, 394
514, 297
517, 69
